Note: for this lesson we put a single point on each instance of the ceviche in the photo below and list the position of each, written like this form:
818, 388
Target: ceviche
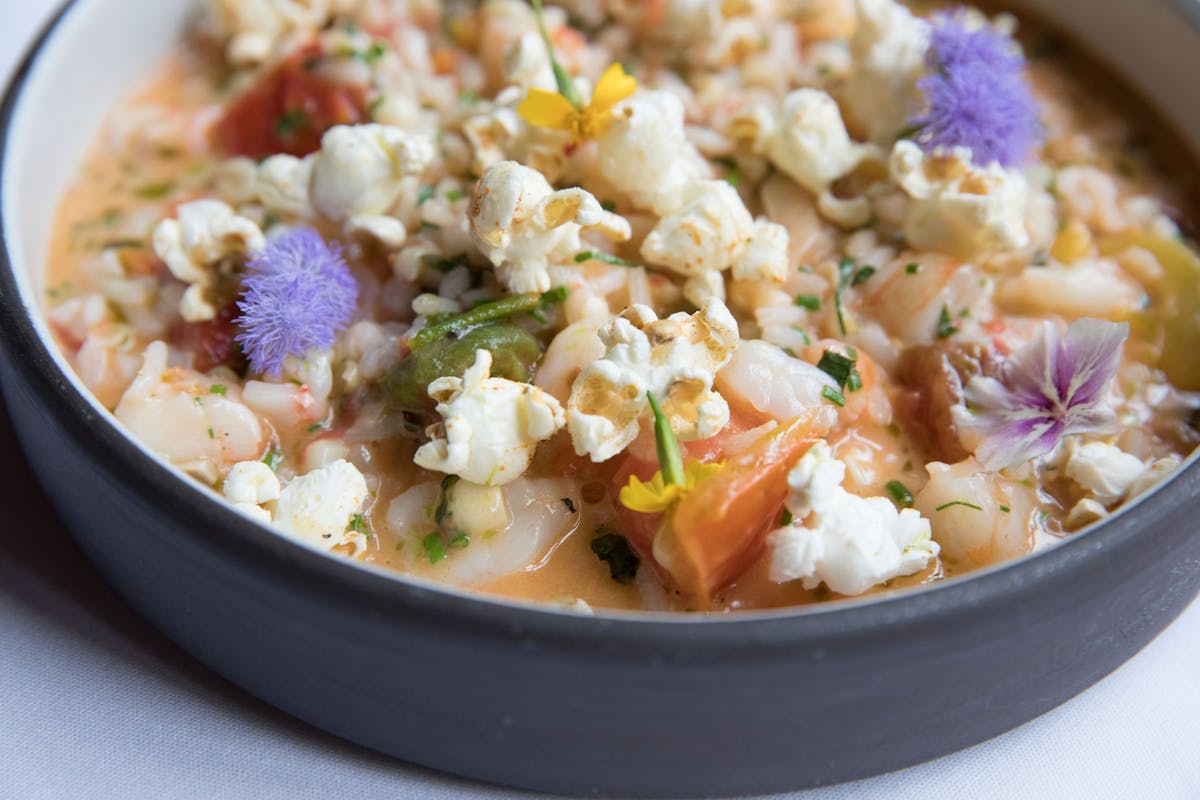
671, 305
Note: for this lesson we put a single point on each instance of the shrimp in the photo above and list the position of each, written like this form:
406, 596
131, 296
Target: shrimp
302, 397
762, 378
198, 425
576, 346
978, 517
541, 513
909, 294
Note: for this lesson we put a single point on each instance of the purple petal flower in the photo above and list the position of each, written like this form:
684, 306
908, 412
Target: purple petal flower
297, 293
976, 95
1050, 388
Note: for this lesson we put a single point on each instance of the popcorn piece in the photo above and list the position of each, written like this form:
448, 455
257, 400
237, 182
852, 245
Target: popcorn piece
887, 52
646, 154
849, 543
957, 207
490, 426
248, 485
808, 141
359, 169
1103, 470
712, 232
203, 233
676, 358
318, 507
251, 28
522, 225
281, 185
499, 133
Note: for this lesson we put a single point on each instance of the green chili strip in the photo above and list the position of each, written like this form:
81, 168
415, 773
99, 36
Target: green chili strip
479, 315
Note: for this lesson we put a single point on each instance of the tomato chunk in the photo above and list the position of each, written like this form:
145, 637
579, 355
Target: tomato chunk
212, 342
288, 110
718, 530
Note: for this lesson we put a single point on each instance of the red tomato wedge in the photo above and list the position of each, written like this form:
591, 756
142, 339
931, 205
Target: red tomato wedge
717, 531
288, 110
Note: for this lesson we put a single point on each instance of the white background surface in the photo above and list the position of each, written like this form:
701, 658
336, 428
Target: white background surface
94, 704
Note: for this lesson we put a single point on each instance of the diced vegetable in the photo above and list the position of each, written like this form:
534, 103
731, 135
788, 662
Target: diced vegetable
515, 352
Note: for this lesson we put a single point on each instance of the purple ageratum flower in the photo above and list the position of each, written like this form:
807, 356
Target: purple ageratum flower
1048, 389
976, 94
297, 293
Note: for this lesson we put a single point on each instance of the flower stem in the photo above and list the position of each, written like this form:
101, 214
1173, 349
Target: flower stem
566, 86
670, 460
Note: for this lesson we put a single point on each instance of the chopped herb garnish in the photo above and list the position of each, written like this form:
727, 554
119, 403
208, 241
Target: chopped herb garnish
154, 191
468, 96
434, 550
854, 382
211, 434
291, 122
217, 389
453, 195
375, 105
425, 193
962, 503
809, 301
316, 426
608, 205
272, 458
602, 257
123, 244
836, 366
845, 270
899, 493
786, 517
913, 268
373, 53
1040, 258
460, 541
733, 175
198, 401
1005, 509
616, 552
862, 276
945, 328
833, 396
358, 523
443, 506
548, 298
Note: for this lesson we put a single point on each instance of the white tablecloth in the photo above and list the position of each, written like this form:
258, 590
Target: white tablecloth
94, 704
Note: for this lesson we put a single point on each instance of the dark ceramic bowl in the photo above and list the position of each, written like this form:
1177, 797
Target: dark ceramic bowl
647, 705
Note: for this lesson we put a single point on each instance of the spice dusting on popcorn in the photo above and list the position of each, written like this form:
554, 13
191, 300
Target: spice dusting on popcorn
682, 305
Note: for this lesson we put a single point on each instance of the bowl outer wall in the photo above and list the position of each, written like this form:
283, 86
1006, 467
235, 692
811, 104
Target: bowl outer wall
609, 705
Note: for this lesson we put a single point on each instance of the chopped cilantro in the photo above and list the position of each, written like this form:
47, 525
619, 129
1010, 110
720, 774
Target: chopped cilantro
424, 194
373, 53
468, 96
899, 493
375, 105
962, 503
460, 541
833, 396
291, 122
836, 366
217, 389
809, 301
434, 550
443, 506
945, 328
602, 257
862, 276
615, 551
272, 458
316, 426
198, 400
845, 269
1005, 509
154, 191
212, 434
786, 517
913, 268
733, 175
608, 205
854, 382
453, 195
358, 524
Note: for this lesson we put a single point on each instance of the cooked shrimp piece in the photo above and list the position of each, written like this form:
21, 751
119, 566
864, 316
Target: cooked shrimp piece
574, 347
197, 424
978, 517
909, 294
541, 512
762, 378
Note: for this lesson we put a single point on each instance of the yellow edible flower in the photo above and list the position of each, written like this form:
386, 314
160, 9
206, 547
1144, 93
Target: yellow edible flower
553, 110
656, 495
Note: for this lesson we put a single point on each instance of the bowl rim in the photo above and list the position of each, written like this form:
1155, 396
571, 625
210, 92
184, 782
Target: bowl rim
447, 608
